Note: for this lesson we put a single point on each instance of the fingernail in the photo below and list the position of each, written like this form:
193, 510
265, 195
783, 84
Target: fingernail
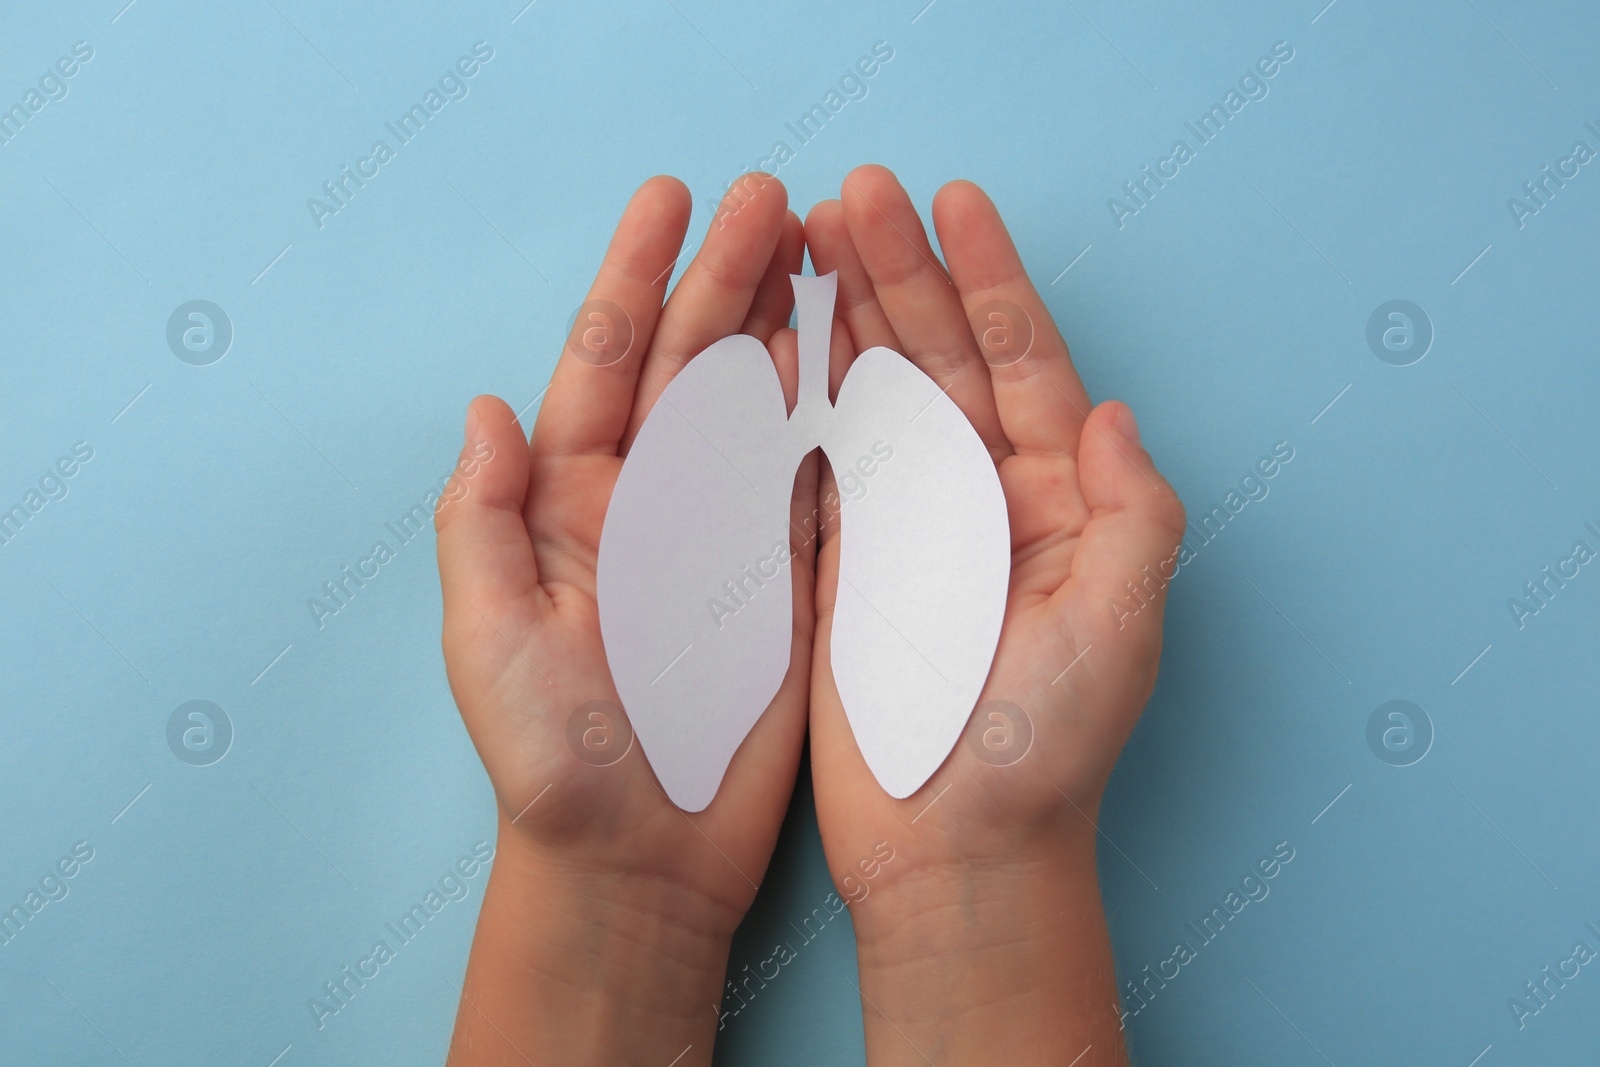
1127, 425
472, 424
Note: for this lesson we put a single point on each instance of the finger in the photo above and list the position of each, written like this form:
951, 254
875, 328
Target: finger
917, 296
1128, 551
773, 303
1041, 399
828, 239
486, 562
714, 295
586, 408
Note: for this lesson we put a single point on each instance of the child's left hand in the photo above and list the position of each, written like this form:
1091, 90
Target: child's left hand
1007, 959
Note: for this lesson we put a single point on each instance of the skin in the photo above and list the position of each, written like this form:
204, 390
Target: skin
1007, 959
599, 881
608, 916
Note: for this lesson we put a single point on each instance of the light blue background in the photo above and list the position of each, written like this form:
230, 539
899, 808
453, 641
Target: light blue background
1228, 316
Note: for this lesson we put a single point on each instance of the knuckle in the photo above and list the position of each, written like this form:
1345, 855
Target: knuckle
729, 271
1168, 512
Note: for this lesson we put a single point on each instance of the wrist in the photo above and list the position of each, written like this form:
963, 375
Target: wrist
1005, 958
569, 894
572, 964
585, 887
934, 905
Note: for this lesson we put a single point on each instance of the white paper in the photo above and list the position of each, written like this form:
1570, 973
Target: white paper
693, 578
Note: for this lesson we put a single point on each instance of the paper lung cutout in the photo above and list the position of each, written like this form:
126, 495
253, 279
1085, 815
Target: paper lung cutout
693, 581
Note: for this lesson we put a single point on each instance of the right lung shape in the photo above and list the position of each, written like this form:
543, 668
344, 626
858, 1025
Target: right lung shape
700, 512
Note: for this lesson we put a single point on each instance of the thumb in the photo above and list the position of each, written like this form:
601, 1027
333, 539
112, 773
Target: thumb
1128, 553
486, 561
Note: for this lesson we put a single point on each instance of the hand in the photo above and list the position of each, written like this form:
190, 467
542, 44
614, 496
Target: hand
983, 937
605, 929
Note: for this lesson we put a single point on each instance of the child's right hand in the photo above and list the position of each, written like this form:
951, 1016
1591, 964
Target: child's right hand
606, 926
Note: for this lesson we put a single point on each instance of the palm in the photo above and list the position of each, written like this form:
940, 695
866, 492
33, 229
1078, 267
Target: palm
1087, 512
517, 560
